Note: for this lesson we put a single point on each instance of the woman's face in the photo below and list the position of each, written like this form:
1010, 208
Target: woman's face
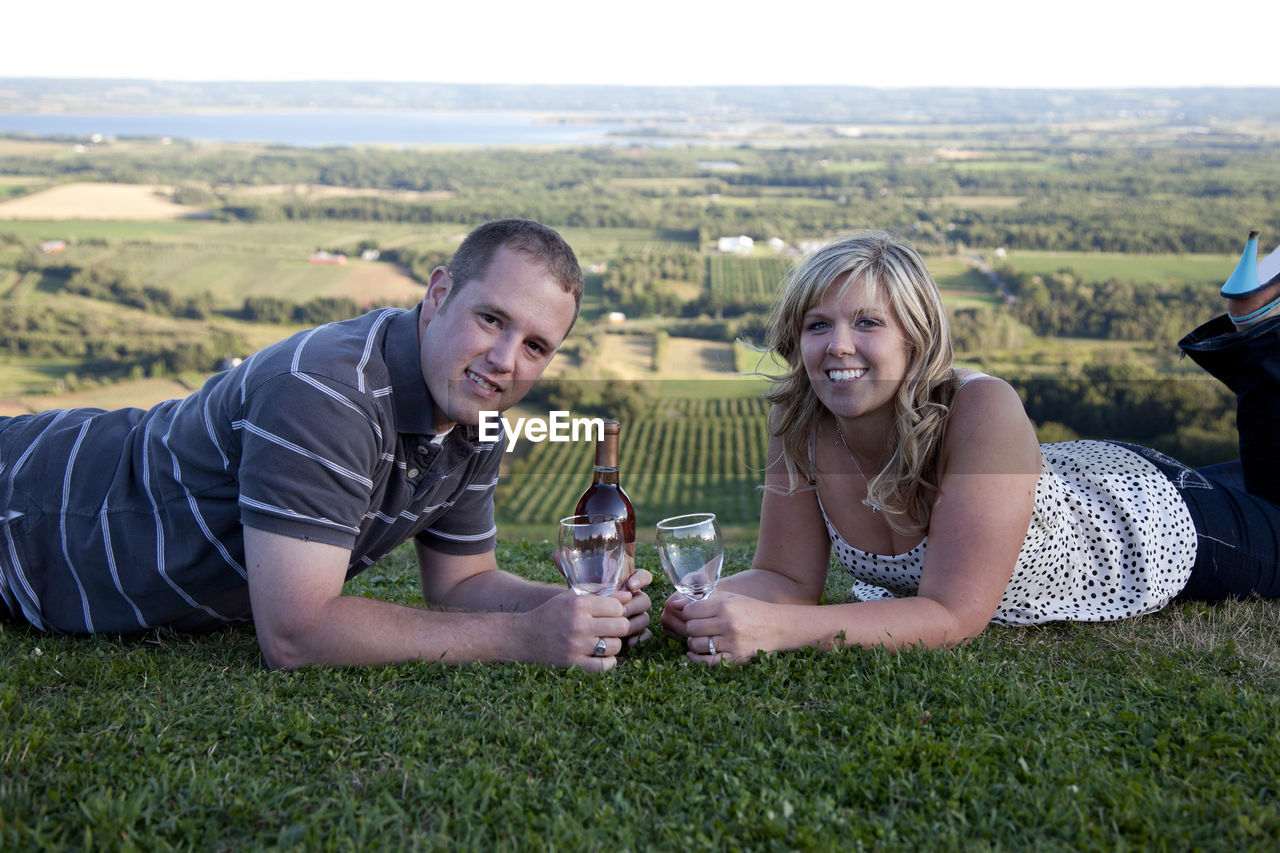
854, 352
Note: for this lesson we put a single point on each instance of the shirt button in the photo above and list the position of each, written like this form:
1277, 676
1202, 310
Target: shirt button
412, 473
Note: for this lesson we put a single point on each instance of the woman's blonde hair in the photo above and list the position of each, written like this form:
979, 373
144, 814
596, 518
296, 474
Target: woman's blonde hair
891, 269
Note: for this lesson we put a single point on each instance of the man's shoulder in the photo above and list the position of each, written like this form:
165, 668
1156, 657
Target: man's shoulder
347, 352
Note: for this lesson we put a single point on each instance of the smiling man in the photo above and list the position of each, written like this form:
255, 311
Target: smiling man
261, 494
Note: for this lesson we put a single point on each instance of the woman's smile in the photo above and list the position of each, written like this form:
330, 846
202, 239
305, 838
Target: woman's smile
854, 350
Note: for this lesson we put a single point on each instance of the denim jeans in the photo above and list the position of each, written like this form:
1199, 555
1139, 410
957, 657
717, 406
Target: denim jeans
1237, 534
1236, 506
5, 614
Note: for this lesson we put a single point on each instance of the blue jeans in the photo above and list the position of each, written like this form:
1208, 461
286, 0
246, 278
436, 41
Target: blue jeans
5, 614
1236, 506
1237, 534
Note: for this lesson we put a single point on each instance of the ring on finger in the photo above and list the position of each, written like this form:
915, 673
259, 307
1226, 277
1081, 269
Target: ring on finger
599, 652
711, 645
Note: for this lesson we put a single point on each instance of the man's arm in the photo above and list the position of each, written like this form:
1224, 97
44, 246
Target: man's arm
475, 583
302, 617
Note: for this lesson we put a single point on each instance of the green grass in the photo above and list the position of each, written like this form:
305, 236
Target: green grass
33, 375
72, 230
1156, 733
233, 275
999, 165
962, 286
749, 360
727, 387
854, 166
1155, 269
591, 244
291, 236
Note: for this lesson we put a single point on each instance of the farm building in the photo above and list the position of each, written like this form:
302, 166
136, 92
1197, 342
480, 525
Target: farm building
740, 245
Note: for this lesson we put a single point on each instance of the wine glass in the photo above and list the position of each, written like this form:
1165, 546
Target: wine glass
691, 551
590, 553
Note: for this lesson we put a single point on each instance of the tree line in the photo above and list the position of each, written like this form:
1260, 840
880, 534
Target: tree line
1013, 189
1063, 304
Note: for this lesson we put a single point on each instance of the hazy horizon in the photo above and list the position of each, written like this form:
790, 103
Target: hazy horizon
1093, 44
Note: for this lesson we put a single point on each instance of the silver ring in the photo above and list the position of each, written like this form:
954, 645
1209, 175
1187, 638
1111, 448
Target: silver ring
711, 645
599, 652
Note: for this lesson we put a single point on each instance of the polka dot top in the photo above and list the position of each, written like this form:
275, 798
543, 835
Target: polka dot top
1109, 538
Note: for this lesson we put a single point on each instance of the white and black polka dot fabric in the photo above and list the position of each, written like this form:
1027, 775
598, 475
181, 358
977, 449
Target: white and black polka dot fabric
1109, 538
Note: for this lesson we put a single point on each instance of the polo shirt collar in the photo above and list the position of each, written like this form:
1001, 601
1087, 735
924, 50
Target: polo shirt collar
415, 413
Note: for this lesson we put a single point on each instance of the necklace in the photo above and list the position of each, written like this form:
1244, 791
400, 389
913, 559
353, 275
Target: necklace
840, 440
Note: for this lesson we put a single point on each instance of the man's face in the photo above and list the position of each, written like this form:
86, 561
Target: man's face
490, 343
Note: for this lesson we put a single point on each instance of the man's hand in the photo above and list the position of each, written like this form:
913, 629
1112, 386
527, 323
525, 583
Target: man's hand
569, 626
567, 629
302, 617
637, 604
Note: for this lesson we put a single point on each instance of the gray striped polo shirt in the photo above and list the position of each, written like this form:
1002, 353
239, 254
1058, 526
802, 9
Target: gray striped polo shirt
119, 521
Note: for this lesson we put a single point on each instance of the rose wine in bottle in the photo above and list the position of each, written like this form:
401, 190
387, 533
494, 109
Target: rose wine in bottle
605, 495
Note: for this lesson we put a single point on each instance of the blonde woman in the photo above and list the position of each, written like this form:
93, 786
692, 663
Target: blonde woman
929, 483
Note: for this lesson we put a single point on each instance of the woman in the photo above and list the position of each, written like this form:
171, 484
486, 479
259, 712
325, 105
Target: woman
929, 482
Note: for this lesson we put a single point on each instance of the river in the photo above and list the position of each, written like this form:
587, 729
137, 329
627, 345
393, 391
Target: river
329, 127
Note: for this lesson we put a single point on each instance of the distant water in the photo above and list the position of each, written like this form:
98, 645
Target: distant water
310, 129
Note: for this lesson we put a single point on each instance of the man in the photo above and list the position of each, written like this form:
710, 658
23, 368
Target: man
258, 496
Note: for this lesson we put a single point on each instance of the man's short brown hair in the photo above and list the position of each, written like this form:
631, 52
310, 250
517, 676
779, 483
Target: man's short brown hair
540, 243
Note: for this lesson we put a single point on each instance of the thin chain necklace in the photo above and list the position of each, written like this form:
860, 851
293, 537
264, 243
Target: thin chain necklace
840, 440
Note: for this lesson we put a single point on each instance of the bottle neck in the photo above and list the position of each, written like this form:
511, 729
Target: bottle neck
605, 475
607, 451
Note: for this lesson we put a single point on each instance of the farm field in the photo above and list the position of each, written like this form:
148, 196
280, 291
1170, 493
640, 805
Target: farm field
231, 274
689, 455
960, 284
631, 356
99, 201
1154, 269
316, 191
136, 393
27, 381
592, 244
745, 281
232, 261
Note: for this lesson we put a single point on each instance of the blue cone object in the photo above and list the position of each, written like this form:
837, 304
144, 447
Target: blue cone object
1244, 281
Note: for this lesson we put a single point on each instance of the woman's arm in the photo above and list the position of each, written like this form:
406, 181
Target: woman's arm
989, 466
793, 550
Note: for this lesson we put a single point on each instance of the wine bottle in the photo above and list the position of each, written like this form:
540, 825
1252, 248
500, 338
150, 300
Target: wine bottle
605, 495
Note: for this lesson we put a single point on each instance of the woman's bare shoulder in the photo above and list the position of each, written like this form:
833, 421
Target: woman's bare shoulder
987, 417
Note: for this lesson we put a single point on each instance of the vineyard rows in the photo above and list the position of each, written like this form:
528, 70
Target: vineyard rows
700, 455
743, 281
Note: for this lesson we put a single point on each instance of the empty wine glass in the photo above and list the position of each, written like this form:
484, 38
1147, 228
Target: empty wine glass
691, 551
590, 553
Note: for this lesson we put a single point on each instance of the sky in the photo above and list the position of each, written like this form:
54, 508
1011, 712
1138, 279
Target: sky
1003, 43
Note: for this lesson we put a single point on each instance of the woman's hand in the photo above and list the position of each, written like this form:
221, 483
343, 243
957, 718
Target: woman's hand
673, 616
727, 628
